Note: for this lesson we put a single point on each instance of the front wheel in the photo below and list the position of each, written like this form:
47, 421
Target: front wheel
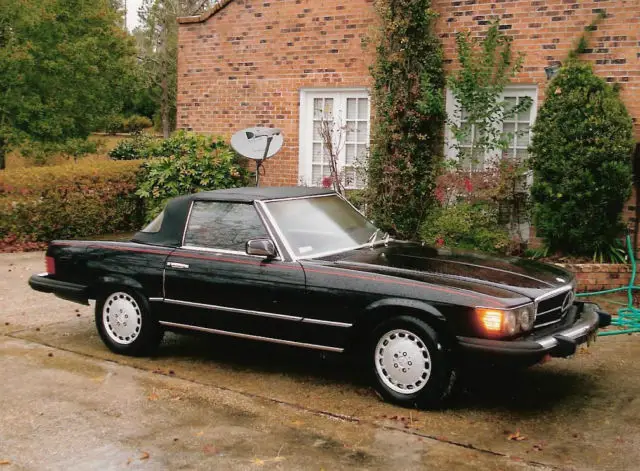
410, 366
125, 323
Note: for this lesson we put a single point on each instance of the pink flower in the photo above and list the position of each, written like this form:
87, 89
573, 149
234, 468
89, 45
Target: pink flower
440, 195
439, 242
327, 182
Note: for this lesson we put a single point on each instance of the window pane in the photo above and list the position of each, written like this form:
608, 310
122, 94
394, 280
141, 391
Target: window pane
363, 154
508, 131
349, 177
226, 226
350, 153
363, 132
328, 108
352, 110
363, 108
316, 175
510, 103
522, 154
317, 126
317, 108
525, 115
522, 138
351, 131
317, 152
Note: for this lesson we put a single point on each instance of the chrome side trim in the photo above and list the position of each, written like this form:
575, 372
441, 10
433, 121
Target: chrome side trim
308, 320
214, 307
156, 300
252, 337
197, 248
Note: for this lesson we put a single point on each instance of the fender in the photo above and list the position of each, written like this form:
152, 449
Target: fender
116, 279
402, 303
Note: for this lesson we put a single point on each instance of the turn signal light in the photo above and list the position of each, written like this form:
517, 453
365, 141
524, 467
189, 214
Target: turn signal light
491, 319
50, 263
507, 322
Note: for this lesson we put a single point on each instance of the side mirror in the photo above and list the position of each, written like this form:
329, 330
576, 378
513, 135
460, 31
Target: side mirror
261, 247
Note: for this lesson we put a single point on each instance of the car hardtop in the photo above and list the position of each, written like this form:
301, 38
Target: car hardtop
176, 211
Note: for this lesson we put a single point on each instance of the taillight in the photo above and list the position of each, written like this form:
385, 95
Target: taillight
51, 265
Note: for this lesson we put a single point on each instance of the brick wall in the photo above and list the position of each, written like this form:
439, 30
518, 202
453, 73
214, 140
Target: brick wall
546, 30
598, 277
245, 66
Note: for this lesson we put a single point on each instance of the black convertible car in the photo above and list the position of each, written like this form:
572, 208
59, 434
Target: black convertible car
303, 267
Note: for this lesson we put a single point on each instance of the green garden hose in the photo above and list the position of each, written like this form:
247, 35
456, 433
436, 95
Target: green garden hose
628, 316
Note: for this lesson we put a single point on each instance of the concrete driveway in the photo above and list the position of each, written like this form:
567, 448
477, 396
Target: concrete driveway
66, 402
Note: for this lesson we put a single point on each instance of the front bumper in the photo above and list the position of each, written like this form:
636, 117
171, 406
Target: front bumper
561, 343
63, 289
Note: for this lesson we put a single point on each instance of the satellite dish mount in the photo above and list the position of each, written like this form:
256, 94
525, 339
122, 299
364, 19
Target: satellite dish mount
258, 144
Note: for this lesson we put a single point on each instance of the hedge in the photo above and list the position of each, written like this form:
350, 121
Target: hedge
73, 200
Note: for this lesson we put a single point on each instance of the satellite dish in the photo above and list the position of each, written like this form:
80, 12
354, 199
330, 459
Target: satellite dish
258, 144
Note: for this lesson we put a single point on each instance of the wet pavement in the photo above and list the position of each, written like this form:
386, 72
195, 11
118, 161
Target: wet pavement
66, 402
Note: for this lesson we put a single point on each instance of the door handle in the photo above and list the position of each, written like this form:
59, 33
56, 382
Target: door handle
181, 266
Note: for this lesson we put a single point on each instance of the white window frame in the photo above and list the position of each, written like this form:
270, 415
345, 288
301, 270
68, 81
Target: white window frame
339, 96
525, 90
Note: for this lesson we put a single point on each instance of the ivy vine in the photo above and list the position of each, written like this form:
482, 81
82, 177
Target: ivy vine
407, 138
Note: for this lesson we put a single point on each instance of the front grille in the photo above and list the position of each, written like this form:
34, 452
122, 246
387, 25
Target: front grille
550, 310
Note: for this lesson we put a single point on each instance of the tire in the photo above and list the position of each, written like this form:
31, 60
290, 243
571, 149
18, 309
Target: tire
125, 323
409, 364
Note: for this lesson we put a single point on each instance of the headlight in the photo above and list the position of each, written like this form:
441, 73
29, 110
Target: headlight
526, 317
507, 322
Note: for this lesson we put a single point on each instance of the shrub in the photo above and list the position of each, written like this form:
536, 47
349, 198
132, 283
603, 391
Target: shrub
115, 124
581, 158
407, 137
140, 146
468, 226
69, 201
187, 163
41, 153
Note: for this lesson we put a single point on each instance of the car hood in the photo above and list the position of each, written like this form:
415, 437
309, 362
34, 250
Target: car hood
411, 260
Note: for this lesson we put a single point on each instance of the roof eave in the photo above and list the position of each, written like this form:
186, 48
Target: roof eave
204, 16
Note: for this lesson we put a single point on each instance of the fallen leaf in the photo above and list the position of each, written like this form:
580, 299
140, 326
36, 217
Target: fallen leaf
153, 397
516, 436
200, 433
4, 462
144, 456
258, 462
209, 449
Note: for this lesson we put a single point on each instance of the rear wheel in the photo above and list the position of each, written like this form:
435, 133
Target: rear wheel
125, 323
410, 366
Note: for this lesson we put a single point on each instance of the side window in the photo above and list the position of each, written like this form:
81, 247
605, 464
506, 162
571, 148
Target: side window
226, 226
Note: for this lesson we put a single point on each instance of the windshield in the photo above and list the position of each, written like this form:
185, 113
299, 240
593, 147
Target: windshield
320, 225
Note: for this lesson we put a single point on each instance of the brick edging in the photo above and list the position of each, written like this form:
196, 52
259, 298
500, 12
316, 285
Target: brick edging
599, 276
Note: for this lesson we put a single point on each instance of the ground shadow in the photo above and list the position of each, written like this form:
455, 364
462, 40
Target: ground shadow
527, 391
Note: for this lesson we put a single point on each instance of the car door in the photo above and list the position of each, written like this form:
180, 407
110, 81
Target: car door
211, 283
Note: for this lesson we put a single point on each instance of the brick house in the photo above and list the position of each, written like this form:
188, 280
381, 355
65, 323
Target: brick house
277, 62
